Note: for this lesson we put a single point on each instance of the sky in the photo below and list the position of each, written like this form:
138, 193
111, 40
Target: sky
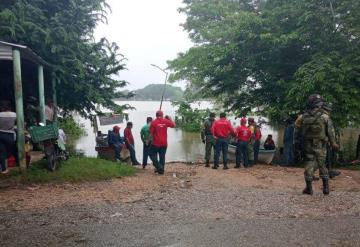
147, 32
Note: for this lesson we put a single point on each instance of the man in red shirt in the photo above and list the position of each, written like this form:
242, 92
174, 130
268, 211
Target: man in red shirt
221, 130
158, 130
243, 135
129, 142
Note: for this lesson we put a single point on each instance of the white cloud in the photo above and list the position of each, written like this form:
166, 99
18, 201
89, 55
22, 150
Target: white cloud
148, 32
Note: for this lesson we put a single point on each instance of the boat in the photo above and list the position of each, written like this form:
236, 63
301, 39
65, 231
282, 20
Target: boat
265, 156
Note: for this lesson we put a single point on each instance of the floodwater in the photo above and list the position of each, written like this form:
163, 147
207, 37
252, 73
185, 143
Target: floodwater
182, 146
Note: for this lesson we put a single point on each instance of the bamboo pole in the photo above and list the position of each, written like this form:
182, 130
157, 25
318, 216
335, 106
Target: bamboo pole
19, 109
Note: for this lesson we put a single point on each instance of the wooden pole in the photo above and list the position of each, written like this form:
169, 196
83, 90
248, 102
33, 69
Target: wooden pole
41, 94
54, 97
19, 109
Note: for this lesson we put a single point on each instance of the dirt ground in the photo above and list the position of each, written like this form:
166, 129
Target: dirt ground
178, 176
189, 206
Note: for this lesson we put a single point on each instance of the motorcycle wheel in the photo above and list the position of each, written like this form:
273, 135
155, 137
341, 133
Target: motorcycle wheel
52, 161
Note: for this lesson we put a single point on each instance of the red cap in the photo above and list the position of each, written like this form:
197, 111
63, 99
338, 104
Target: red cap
243, 121
116, 129
159, 113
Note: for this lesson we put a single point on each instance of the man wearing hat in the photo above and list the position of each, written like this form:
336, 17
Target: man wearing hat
116, 142
158, 130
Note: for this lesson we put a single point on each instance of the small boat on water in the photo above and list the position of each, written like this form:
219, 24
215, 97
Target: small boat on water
265, 156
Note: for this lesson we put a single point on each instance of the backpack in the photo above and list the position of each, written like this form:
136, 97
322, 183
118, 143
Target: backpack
313, 126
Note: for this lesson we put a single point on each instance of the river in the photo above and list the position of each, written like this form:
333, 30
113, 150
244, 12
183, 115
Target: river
182, 146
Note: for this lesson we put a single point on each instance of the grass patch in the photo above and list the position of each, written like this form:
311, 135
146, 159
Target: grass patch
76, 169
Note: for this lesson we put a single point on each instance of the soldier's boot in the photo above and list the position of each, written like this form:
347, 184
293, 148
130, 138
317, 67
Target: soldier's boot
308, 189
225, 167
326, 189
207, 163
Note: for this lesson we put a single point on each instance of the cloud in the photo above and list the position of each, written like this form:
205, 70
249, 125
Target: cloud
148, 32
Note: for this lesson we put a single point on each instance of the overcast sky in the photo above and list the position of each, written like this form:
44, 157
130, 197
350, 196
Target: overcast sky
148, 32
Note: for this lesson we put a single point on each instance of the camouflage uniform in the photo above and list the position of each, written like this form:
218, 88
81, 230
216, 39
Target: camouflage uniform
251, 141
208, 138
317, 129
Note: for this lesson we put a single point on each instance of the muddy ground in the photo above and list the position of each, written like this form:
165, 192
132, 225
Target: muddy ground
189, 206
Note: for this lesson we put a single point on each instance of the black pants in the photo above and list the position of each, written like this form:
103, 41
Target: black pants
146, 153
7, 147
242, 153
159, 163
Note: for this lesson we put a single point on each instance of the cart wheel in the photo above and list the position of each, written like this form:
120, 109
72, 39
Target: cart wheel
52, 162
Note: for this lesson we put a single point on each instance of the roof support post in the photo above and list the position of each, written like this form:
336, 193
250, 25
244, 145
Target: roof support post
54, 97
41, 94
19, 109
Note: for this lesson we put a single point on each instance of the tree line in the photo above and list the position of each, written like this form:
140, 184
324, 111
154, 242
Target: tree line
270, 55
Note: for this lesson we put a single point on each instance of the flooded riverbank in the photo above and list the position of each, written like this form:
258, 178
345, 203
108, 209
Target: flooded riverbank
183, 146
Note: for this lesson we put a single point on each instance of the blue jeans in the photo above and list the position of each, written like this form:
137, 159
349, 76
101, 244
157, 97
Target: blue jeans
146, 153
222, 144
242, 153
159, 163
132, 154
256, 151
117, 148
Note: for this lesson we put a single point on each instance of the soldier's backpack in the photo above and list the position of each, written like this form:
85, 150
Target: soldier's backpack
313, 126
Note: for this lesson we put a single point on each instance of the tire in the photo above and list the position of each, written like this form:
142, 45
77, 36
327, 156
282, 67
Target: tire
52, 161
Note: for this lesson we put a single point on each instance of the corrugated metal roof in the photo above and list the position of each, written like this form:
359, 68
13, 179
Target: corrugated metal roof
26, 53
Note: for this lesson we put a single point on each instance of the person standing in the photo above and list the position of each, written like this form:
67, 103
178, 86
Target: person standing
207, 138
257, 133
7, 134
317, 129
289, 142
221, 130
243, 135
158, 130
146, 139
251, 126
130, 143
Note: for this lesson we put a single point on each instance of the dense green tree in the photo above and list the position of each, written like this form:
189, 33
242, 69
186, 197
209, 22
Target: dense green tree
61, 32
270, 55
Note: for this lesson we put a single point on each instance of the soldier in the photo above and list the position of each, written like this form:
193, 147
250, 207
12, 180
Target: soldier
317, 129
207, 138
251, 126
331, 153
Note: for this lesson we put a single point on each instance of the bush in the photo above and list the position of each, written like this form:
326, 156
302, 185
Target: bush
189, 119
72, 129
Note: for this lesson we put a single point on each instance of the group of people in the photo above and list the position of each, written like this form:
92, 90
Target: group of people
153, 136
217, 134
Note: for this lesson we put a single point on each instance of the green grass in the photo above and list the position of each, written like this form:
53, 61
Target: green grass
76, 169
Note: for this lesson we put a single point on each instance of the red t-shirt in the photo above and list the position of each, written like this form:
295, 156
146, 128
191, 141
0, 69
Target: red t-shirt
243, 133
257, 134
128, 136
222, 128
158, 130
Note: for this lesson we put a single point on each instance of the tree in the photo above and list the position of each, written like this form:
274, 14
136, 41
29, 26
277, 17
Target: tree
271, 55
61, 32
